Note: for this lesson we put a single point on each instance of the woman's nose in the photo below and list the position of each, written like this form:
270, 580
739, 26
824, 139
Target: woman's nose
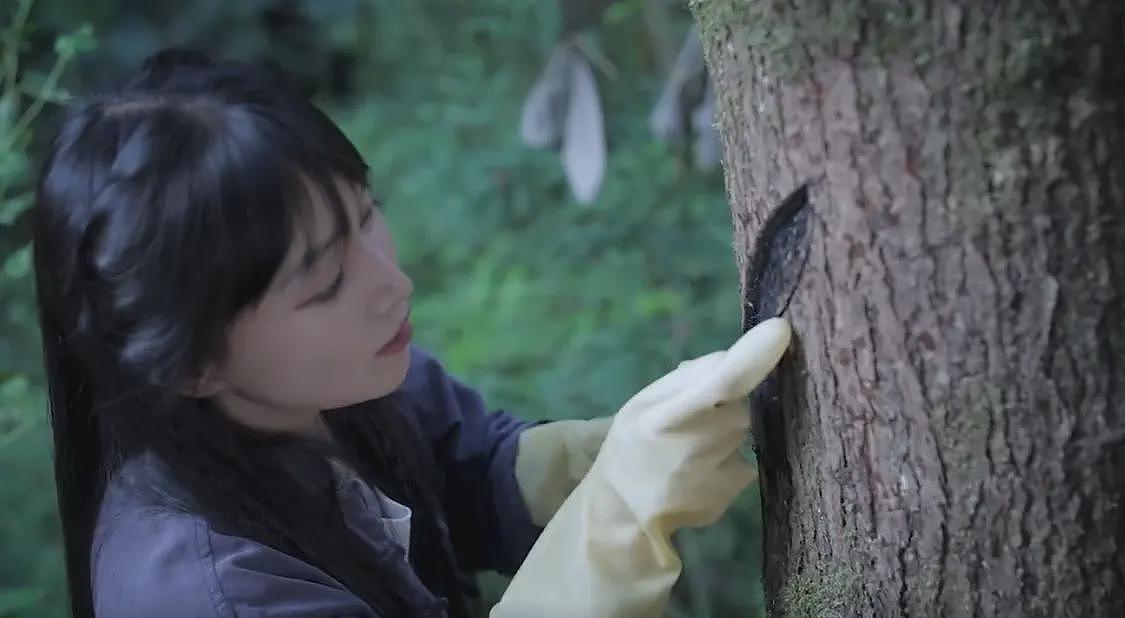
389, 285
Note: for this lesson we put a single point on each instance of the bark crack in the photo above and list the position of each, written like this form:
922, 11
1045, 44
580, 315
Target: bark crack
903, 603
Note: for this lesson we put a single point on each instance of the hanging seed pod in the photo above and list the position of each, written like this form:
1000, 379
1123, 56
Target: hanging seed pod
544, 109
584, 145
707, 152
682, 91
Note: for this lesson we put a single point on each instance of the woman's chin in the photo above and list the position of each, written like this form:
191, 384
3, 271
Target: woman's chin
391, 371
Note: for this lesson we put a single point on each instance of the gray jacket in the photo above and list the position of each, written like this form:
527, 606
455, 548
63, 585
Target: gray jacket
149, 561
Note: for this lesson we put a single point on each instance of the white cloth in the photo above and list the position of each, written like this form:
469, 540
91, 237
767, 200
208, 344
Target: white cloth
393, 516
396, 520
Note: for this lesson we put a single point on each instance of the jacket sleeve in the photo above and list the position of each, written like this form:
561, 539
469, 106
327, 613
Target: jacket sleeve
475, 448
173, 565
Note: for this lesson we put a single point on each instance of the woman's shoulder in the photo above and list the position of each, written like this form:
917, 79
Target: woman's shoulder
425, 374
150, 558
441, 400
147, 558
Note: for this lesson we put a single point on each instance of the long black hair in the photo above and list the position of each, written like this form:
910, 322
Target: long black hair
164, 209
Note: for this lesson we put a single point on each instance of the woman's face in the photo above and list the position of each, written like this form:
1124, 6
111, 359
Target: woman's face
330, 331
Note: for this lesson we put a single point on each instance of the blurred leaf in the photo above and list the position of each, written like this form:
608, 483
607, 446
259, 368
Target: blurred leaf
76, 42
8, 112
658, 302
12, 386
18, 264
622, 11
35, 84
11, 208
18, 599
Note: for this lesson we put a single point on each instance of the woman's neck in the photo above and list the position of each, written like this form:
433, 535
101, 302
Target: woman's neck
269, 418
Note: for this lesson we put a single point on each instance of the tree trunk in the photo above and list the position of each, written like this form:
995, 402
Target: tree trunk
951, 434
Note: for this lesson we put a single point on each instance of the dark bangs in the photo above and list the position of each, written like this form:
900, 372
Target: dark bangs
186, 190
276, 170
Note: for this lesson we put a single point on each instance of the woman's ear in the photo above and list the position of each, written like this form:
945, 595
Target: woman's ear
207, 384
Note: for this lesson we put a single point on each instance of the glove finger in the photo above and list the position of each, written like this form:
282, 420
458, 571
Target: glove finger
686, 374
701, 361
729, 379
750, 360
694, 410
705, 501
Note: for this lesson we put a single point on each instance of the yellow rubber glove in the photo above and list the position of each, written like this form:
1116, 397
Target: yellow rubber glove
552, 459
670, 460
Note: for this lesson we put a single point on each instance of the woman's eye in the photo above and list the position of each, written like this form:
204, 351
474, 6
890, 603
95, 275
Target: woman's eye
368, 213
330, 292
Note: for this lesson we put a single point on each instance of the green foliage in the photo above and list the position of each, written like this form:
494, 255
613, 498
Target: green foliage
31, 576
821, 593
551, 309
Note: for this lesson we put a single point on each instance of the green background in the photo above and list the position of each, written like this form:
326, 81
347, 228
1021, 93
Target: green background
550, 308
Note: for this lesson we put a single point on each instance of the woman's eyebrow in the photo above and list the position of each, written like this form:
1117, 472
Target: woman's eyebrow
312, 255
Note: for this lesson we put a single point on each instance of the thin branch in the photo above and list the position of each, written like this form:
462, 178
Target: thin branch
596, 57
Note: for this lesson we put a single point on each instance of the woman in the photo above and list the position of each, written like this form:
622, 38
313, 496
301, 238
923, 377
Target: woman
241, 425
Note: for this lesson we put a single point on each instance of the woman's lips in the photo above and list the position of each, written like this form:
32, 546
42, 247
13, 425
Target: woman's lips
401, 339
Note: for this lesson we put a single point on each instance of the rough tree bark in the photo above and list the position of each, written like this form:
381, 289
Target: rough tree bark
953, 436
